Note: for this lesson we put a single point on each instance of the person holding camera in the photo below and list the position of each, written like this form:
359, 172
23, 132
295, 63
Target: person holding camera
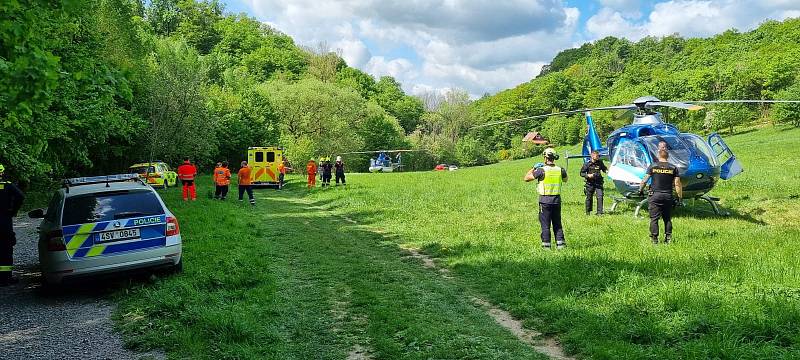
550, 178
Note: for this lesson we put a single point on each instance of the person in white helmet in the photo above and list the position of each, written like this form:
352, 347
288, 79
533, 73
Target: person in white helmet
550, 178
339, 170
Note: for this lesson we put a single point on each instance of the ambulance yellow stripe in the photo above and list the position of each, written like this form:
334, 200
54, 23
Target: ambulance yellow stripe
96, 250
80, 236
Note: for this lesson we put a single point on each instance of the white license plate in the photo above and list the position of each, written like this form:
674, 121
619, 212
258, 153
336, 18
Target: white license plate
116, 235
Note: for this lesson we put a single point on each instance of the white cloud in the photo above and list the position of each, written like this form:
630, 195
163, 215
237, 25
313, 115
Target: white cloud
691, 18
475, 45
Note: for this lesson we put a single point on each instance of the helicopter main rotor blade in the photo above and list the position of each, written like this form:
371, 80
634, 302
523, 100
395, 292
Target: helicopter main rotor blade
676, 104
379, 151
741, 101
618, 107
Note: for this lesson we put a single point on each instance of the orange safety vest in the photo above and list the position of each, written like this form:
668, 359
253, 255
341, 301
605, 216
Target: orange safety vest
311, 168
222, 176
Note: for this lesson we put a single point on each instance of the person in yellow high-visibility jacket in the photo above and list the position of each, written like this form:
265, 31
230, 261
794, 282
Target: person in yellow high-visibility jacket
551, 178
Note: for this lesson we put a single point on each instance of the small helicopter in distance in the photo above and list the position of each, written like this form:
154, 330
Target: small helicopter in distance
383, 163
701, 162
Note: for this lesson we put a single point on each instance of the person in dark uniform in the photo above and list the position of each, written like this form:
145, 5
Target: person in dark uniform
665, 178
327, 170
591, 171
11, 199
339, 166
550, 178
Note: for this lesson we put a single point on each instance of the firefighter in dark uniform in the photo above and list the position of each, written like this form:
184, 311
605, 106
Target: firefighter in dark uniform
591, 171
665, 178
10, 201
550, 178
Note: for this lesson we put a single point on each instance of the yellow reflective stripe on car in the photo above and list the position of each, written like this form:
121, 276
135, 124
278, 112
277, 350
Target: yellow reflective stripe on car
5, 268
80, 236
96, 250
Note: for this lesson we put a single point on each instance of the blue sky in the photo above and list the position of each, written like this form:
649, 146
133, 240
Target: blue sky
487, 46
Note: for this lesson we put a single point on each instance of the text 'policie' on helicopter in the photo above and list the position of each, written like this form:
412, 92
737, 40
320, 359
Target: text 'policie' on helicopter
633, 148
383, 163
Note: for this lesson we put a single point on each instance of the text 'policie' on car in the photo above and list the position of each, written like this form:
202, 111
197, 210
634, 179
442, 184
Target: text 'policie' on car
103, 225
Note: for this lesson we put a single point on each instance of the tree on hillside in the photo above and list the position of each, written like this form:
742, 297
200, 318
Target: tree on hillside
317, 117
789, 112
323, 63
407, 109
174, 105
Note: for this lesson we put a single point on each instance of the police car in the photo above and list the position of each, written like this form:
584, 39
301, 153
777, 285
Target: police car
106, 224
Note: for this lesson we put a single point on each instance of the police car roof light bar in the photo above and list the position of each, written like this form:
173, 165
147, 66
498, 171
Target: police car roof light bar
107, 179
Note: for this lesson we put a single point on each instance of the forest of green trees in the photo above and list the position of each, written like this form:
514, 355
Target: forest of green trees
91, 86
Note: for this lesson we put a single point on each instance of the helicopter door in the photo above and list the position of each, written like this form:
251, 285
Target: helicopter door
730, 165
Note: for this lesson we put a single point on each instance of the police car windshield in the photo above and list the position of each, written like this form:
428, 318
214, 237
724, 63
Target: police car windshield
143, 169
107, 206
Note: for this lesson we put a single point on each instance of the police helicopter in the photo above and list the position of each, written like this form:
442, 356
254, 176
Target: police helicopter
701, 162
383, 162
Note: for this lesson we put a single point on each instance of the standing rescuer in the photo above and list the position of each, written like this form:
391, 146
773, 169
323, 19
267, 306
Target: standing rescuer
222, 179
665, 178
282, 167
187, 172
311, 169
11, 199
245, 184
327, 169
592, 171
550, 178
339, 166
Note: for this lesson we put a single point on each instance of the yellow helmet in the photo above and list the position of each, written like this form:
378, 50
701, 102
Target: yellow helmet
2, 168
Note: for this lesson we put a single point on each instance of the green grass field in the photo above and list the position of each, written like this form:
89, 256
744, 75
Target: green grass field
290, 280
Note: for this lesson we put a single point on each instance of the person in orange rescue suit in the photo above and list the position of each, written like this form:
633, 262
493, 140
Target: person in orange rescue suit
222, 179
187, 172
11, 199
245, 184
311, 169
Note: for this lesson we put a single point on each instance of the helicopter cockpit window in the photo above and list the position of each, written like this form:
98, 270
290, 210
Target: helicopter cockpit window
631, 153
700, 148
678, 150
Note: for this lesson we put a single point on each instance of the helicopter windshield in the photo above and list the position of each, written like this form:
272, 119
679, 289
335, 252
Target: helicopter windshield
631, 154
701, 148
678, 150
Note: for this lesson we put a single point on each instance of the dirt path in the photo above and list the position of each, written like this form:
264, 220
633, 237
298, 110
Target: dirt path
69, 325
544, 345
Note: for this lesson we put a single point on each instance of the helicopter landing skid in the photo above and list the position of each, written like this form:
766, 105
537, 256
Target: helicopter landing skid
714, 202
639, 204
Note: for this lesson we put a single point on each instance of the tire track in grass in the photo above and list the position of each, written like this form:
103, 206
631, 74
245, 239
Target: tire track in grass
548, 346
416, 314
